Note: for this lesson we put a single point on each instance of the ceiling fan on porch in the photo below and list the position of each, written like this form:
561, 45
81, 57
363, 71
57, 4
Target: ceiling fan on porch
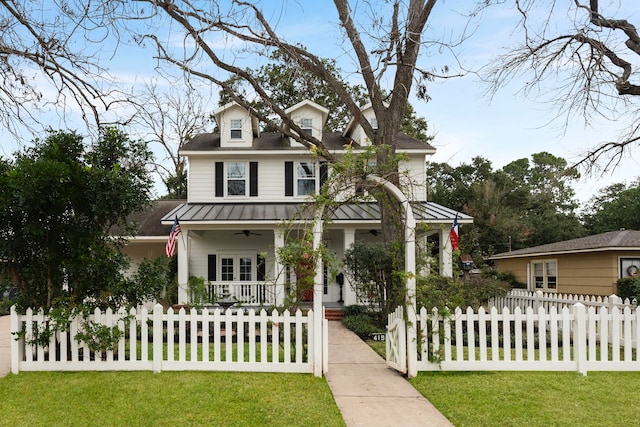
248, 233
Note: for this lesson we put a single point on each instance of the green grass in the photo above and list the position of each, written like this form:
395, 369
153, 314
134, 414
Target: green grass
166, 399
533, 398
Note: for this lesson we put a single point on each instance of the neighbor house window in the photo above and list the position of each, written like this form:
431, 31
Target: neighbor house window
236, 129
374, 123
545, 275
306, 178
307, 126
236, 179
629, 267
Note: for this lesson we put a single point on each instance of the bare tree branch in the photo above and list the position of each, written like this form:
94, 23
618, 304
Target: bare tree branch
589, 69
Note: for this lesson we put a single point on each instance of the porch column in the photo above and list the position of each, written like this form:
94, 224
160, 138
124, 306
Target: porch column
278, 269
446, 254
348, 294
182, 248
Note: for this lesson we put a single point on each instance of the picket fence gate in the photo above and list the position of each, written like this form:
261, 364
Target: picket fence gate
153, 340
570, 339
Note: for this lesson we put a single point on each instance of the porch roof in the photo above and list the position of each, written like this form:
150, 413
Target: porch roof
243, 213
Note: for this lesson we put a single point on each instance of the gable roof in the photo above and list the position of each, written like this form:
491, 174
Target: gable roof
277, 141
620, 240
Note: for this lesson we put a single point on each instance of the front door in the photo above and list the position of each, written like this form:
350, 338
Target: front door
235, 269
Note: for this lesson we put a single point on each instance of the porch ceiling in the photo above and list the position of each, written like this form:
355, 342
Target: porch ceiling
242, 213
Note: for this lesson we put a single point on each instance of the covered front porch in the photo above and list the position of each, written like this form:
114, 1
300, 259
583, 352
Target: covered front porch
232, 249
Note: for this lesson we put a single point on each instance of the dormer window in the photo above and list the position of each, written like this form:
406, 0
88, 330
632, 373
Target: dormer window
306, 178
307, 126
236, 128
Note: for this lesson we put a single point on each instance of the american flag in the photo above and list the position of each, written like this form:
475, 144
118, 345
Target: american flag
170, 247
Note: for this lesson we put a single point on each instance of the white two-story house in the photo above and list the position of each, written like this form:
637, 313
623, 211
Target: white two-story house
243, 184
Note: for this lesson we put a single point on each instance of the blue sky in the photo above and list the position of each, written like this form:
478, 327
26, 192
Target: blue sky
465, 122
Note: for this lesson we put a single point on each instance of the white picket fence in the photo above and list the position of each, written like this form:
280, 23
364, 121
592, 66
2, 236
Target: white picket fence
158, 341
523, 299
570, 339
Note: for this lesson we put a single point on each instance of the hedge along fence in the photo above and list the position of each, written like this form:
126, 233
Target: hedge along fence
154, 340
570, 339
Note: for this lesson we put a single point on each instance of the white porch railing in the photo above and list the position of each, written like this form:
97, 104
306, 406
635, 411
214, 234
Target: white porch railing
194, 340
246, 293
523, 299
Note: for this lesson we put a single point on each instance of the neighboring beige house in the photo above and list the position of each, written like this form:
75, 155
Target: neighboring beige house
588, 265
243, 184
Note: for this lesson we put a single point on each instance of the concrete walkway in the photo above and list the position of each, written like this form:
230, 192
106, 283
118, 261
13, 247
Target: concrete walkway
5, 345
367, 392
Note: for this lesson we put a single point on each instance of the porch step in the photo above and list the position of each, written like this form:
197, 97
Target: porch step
333, 314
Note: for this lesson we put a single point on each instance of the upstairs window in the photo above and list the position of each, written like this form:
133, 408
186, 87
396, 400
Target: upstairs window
374, 123
307, 126
236, 178
236, 128
233, 179
306, 178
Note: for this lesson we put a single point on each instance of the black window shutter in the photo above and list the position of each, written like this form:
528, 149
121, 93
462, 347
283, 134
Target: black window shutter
288, 178
324, 173
253, 179
212, 267
219, 179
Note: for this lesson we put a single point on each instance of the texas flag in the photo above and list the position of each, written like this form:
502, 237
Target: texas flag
453, 235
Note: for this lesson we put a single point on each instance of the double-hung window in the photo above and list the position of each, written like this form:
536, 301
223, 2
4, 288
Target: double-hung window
306, 178
307, 126
545, 275
236, 128
236, 178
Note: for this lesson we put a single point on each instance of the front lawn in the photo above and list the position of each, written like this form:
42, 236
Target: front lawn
168, 398
533, 398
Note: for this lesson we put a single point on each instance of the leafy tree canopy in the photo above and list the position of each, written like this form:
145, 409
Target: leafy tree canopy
59, 199
615, 207
526, 203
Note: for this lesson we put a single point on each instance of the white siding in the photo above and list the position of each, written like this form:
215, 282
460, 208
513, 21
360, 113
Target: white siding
201, 187
416, 176
228, 243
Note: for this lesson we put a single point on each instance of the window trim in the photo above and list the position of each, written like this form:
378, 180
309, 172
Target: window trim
624, 263
245, 179
306, 124
545, 275
235, 125
298, 179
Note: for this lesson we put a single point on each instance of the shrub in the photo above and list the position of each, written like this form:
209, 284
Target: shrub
629, 287
440, 292
362, 325
354, 310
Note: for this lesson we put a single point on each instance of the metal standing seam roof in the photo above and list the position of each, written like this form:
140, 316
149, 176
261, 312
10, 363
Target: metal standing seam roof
612, 240
426, 212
